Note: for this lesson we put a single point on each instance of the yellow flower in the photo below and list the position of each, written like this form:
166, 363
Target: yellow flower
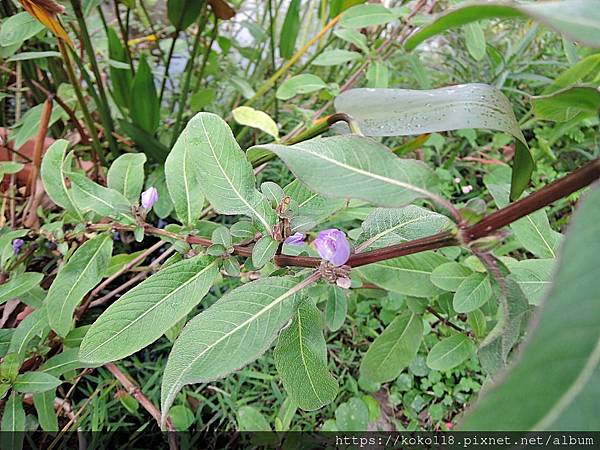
47, 11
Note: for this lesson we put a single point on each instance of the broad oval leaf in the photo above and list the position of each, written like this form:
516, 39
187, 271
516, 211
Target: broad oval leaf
46, 415
251, 419
245, 115
577, 19
564, 336
401, 112
356, 167
34, 382
336, 57
450, 352
233, 332
226, 176
19, 284
472, 293
76, 278
126, 175
394, 349
299, 84
449, 276
35, 324
301, 360
389, 226
336, 307
369, 15
53, 177
408, 275
533, 276
148, 310
310, 204
263, 251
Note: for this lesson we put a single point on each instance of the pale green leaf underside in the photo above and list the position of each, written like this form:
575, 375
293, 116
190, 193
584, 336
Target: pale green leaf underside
356, 167
148, 310
472, 293
450, 352
75, 279
565, 339
394, 349
225, 175
126, 175
301, 360
233, 332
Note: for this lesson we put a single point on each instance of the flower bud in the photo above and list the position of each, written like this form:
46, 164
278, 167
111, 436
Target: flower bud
16, 245
149, 197
295, 239
333, 246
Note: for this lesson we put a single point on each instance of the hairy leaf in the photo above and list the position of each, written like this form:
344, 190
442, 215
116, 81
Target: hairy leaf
19, 284
126, 175
472, 293
450, 352
233, 332
148, 310
449, 276
301, 360
401, 112
76, 278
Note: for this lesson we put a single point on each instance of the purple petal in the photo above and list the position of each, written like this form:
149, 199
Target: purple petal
333, 246
295, 239
149, 197
16, 245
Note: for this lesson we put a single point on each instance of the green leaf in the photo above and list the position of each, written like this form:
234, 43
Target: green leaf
226, 176
13, 419
263, 251
17, 28
90, 196
564, 105
28, 126
533, 276
33, 325
28, 56
144, 107
44, 405
378, 75
19, 284
475, 40
301, 360
472, 293
394, 349
336, 307
126, 175
33, 382
289, 30
369, 15
352, 415
577, 19
426, 111
10, 167
449, 276
148, 310
356, 167
533, 231
121, 79
408, 275
183, 13
245, 115
310, 204
76, 278
53, 177
576, 74
336, 57
450, 352
354, 37
5, 337
63, 362
145, 141
233, 332
300, 84
251, 419
550, 386
389, 226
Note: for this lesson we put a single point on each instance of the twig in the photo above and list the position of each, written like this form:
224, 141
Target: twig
134, 390
444, 320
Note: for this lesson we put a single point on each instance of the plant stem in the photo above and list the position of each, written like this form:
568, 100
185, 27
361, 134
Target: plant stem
87, 118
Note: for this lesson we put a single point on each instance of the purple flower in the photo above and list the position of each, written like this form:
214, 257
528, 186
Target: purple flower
149, 197
16, 245
333, 246
295, 239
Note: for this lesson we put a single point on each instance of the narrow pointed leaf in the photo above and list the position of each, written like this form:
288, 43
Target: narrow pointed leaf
356, 167
44, 405
33, 382
76, 278
564, 105
336, 307
565, 337
126, 175
33, 325
148, 310
289, 30
226, 176
233, 332
144, 107
301, 360
19, 284
394, 349
53, 177
402, 112
13, 419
